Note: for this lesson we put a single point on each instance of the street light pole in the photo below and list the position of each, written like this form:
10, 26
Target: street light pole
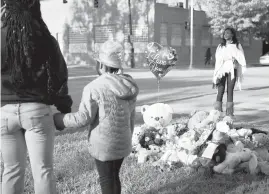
130, 35
191, 37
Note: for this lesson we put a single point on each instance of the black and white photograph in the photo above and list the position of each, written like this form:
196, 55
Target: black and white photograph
134, 97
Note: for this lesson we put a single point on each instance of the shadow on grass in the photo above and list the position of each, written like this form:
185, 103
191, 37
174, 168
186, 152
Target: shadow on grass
71, 131
199, 184
257, 88
259, 119
251, 117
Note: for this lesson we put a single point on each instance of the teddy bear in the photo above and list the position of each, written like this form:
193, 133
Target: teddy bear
157, 115
143, 154
220, 134
196, 118
232, 161
244, 132
212, 117
137, 133
229, 121
235, 147
263, 162
201, 119
222, 126
262, 153
262, 167
243, 135
201, 125
261, 139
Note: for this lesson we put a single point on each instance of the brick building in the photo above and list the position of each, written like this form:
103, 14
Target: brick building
82, 25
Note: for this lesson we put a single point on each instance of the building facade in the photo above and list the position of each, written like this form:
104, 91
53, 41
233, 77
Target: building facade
82, 25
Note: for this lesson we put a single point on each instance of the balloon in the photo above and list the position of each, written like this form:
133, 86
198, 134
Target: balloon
160, 59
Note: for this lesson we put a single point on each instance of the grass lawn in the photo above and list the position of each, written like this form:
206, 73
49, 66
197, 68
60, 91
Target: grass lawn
75, 174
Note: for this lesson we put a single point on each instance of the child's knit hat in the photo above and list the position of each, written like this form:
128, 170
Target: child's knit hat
110, 54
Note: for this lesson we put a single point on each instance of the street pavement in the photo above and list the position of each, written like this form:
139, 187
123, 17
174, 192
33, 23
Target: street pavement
187, 90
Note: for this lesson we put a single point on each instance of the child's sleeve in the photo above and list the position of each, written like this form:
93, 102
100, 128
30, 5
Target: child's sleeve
85, 115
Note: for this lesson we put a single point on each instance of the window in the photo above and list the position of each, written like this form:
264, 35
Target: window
188, 38
139, 37
103, 33
78, 40
205, 36
95, 3
163, 34
139, 32
176, 38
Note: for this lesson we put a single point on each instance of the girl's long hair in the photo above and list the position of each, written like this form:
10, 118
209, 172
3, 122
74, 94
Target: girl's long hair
234, 38
28, 41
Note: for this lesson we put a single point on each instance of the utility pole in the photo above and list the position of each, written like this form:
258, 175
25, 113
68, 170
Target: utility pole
130, 35
191, 36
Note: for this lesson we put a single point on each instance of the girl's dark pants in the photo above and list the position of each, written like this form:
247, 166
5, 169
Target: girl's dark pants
109, 176
230, 87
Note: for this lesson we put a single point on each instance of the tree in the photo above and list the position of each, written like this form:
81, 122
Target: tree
244, 15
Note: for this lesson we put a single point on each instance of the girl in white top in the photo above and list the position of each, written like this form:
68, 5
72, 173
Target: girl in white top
230, 65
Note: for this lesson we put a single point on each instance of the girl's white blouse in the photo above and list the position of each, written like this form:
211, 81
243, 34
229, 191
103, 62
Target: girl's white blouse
226, 57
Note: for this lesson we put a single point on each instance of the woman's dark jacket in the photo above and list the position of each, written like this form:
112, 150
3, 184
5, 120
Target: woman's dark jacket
45, 84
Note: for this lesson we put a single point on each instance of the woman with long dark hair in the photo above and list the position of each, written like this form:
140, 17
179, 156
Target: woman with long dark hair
33, 77
230, 66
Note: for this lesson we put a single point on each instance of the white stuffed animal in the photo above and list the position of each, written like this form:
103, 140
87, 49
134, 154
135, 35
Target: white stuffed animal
223, 127
144, 154
233, 160
138, 131
244, 132
196, 118
261, 139
212, 117
235, 147
157, 115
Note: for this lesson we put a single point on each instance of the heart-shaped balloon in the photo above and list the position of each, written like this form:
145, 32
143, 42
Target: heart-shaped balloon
160, 59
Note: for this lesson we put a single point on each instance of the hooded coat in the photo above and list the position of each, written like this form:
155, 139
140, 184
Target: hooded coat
108, 108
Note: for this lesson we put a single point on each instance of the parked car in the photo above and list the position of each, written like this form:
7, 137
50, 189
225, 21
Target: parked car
264, 59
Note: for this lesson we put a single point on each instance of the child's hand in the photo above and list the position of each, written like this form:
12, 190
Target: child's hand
58, 121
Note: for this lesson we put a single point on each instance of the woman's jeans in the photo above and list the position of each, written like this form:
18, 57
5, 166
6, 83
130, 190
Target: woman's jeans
27, 126
109, 176
230, 87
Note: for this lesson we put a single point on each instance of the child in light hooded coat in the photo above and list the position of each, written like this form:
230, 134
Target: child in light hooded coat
108, 107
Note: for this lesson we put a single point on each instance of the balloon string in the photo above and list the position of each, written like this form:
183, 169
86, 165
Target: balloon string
158, 84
